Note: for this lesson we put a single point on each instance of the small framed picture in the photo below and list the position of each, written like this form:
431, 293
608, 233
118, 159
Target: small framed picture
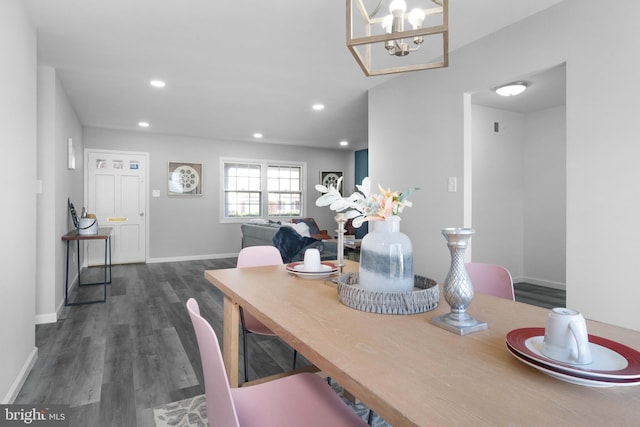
185, 179
71, 154
330, 179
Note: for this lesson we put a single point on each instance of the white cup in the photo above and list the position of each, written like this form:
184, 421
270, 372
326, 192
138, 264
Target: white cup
565, 337
312, 260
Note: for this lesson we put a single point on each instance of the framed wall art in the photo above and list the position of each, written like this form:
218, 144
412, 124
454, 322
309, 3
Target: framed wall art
71, 154
330, 178
185, 179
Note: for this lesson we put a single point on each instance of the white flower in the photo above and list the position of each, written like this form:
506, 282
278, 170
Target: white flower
361, 206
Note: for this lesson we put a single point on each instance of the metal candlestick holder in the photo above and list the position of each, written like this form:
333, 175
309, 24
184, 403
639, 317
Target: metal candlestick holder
458, 290
341, 219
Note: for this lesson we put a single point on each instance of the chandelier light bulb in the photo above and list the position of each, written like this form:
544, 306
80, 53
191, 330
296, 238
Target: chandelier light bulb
397, 7
416, 18
387, 22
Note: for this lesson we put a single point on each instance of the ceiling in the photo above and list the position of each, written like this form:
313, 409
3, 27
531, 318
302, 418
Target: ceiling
545, 89
232, 68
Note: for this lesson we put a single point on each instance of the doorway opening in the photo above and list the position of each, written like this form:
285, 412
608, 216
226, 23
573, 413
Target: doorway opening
515, 178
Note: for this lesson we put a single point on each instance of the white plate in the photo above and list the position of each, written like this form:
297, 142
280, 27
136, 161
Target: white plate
323, 269
588, 382
312, 275
603, 358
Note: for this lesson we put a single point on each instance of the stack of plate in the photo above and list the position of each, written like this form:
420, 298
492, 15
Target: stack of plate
326, 269
614, 364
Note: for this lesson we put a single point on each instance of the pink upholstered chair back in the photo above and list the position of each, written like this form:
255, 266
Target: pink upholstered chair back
216, 385
491, 279
258, 256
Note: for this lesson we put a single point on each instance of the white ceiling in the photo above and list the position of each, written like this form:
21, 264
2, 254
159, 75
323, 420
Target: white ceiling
232, 67
545, 89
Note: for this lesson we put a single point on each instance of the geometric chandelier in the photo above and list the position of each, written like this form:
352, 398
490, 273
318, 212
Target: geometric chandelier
389, 36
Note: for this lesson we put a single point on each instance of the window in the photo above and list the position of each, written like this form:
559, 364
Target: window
260, 189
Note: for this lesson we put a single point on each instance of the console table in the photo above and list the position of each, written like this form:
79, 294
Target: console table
104, 233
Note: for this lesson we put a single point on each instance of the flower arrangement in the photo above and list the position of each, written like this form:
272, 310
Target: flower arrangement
362, 205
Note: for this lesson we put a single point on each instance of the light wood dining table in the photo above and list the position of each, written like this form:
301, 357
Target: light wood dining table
413, 373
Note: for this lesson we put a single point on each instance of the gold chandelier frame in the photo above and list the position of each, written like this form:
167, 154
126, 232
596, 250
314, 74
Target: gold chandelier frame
361, 47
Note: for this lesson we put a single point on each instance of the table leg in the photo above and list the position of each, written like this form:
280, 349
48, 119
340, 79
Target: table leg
106, 278
106, 250
230, 340
66, 279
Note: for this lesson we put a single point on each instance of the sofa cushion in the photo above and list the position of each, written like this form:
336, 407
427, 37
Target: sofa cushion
300, 227
313, 228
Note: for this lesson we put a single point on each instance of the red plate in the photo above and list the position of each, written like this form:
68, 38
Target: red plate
517, 340
574, 378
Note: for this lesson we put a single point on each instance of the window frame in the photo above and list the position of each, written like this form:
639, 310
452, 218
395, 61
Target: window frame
264, 205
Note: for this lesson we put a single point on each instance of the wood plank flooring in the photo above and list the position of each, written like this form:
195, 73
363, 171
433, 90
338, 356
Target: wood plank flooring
114, 362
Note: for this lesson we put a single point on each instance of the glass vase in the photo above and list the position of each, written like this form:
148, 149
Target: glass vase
386, 258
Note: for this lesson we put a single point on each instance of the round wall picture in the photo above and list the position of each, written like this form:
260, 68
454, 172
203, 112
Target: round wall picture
185, 178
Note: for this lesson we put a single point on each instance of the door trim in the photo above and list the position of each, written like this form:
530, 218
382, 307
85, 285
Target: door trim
146, 189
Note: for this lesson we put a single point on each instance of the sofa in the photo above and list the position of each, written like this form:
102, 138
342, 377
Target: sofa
290, 243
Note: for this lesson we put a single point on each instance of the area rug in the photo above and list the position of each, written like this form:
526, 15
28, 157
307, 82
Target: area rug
192, 412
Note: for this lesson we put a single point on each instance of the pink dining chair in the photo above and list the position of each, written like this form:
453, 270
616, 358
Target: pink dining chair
292, 401
491, 279
256, 256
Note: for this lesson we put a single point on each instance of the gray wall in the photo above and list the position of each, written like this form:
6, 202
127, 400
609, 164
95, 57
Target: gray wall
189, 227
519, 193
498, 189
545, 198
18, 214
602, 113
57, 121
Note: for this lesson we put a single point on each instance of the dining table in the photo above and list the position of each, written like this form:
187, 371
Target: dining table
412, 372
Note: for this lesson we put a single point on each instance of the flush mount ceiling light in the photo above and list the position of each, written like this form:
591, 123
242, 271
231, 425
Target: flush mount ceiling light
344, 143
257, 135
512, 89
381, 44
143, 124
157, 83
318, 107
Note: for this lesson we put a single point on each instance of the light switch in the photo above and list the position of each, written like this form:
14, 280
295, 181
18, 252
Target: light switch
155, 193
452, 185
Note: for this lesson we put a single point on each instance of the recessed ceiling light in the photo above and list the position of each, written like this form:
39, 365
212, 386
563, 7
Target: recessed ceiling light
157, 83
257, 135
143, 124
512, 89
344, 143
318, 107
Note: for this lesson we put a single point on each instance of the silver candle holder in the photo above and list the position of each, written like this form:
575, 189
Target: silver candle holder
458, 289
341, 219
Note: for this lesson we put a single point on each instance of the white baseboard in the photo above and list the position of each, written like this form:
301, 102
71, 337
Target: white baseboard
541, 282
53, 317
191, 258
46, 318
22, 377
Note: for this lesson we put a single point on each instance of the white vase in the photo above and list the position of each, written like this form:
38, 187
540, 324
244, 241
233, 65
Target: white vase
386, 258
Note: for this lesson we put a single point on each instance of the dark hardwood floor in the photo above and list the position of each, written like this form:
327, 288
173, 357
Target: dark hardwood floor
114, 362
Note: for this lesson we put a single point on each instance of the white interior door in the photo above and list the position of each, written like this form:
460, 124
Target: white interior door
116, 193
